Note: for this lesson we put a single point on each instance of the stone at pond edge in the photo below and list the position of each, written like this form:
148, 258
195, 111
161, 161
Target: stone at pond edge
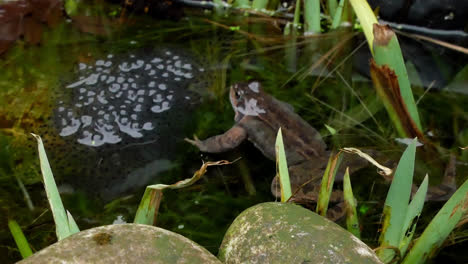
125, 243
287, 233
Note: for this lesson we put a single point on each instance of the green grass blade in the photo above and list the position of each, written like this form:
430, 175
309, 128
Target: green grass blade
387, 52
337, 15
148, 208
27, 197
332, 7
58, 211
414, 210
312, 17
71, 7
297, 14
72, 224
326, 186
330, 129
356, 115
440, 227
282, 168
147, 211
366, 18
290, 50
20, 239
396, 204
259, 4
242, 4
352, 222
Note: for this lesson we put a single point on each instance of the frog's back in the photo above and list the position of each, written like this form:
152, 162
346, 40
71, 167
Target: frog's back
302, 141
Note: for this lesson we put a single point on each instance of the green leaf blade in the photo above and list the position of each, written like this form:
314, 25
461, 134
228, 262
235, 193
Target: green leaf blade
53, 196
326, 185
352, 222
20, 239
389, 53
414, 210
282, 168
367, 18
440, 227
396, 204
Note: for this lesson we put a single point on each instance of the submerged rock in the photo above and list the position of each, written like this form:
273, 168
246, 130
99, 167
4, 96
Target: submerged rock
125, 243
287, 233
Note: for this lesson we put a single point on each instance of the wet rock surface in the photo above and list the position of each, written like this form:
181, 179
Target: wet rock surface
287, 233
125, 243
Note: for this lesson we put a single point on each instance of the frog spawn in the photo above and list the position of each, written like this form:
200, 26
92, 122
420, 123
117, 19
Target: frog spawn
120, 120
123, 96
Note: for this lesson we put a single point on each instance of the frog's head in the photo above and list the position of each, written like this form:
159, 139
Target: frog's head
247, 99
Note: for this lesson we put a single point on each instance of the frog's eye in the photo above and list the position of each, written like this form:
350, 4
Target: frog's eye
239, 94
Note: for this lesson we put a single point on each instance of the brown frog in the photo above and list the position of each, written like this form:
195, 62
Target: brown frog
258, 117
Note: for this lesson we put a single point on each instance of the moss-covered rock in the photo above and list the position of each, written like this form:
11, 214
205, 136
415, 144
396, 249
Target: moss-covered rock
126, 243
288, 233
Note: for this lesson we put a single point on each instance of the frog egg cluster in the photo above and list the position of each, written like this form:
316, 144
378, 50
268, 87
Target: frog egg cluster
123, 96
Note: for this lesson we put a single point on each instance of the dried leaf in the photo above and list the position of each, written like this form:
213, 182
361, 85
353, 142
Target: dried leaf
386, 172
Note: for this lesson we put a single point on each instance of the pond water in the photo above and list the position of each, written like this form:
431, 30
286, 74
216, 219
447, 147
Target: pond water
113, 112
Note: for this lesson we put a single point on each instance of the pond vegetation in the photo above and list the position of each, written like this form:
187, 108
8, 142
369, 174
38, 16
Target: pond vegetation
325, 77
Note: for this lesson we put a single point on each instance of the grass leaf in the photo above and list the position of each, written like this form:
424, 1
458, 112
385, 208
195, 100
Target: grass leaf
352, 222
326, 186
414, 210
259, 4
387, 52
367, 19
396, 204
388, 90
20, 239
332, 7
440, 227
148, 208
337, 15
72, 224
147, 211
62, 227
312, 17
282, 168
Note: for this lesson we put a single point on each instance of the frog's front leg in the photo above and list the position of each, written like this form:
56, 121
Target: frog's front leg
221, 143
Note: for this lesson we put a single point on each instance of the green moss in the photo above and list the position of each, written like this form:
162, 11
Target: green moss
288, 233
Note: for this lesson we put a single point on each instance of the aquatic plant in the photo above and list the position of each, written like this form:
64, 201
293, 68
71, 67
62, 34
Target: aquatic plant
20, 239
400, 216
64, 222
392, 83
282, 168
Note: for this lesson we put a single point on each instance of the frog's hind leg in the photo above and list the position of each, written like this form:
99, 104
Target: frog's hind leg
336, 212
221, 143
